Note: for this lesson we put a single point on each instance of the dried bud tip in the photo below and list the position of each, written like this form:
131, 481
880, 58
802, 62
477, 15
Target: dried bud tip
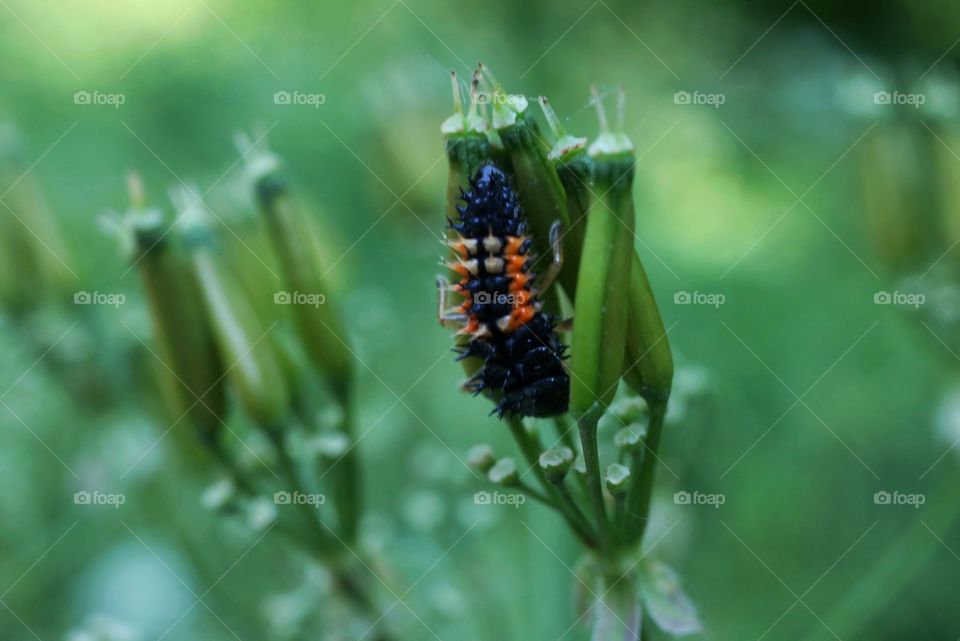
504, 472
617, 478
565, 144
609, 143
629, 439
556, 462
457, 122
481, 457
331, 446
629, 410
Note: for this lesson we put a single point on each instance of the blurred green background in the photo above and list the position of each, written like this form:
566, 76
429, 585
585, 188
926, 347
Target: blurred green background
797, 200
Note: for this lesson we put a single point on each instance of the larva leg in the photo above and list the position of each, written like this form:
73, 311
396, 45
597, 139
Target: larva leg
564, 326
446, 317
554, 269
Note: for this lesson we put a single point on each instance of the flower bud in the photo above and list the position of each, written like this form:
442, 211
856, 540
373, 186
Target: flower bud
504, 472
191, 369
481, 457
628, 410
252, 365
580, 466
570, 160
556, 462
630, 438
648, 364
321, 334
617, 479
331, 446
31, 235
600, 329
219, 496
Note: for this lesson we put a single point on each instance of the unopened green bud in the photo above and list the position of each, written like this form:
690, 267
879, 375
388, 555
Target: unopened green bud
648, 363
192, 371
321, 334
580, 466
600, 330
556, 461
504, 472
219, 496
242, 340
630, 438
332, 445
261, 513
630, 409
575, 170
481, 457
617, 478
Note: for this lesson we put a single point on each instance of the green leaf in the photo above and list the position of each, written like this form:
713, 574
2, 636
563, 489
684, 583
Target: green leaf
667, 604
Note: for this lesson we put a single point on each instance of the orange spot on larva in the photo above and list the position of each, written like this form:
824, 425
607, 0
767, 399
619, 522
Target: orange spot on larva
518, 282
513, 245
521, 316
515, 264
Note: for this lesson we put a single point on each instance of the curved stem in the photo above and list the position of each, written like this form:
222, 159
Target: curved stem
572, 506
587, 425
640, 494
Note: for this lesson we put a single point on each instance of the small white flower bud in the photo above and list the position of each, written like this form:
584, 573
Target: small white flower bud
617, 478
504, 472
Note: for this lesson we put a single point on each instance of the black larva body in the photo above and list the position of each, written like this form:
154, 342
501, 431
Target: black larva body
522, 355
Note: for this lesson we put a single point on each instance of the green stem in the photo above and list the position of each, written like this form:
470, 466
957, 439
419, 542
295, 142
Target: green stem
532, 454
619, 517
572, 506
319, 548
289, 467
641, 493
537, 495
591, 458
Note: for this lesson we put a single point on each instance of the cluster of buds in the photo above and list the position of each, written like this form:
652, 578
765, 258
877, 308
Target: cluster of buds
235, 348
621, 366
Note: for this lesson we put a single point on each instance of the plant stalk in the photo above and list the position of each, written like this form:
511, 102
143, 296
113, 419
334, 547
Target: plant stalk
587, 425
532, 456
641, 493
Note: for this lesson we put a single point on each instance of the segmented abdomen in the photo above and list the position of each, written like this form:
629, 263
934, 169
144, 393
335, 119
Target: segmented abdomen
523, 357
